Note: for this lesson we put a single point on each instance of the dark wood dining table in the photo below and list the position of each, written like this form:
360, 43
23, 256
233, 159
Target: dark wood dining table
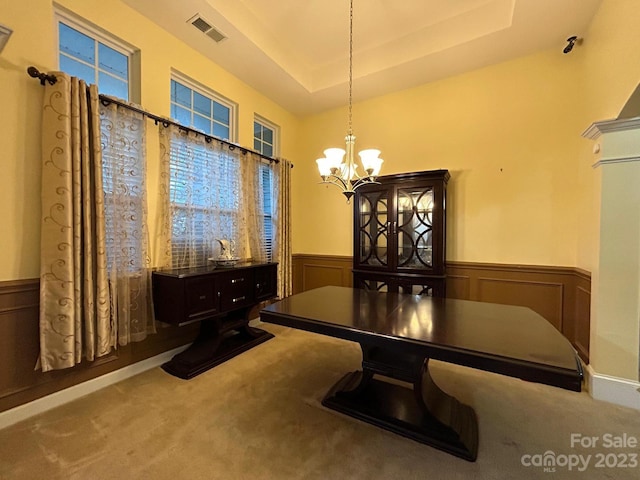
399, 334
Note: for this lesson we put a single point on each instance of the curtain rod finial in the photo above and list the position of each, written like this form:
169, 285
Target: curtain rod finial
35, 73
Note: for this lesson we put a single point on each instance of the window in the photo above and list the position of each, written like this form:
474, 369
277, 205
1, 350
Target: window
202, 109
95, 57
204, 185
264, 137
266, 177
205, 176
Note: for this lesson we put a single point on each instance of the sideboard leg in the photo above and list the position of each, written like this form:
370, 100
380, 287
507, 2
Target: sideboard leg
219, 340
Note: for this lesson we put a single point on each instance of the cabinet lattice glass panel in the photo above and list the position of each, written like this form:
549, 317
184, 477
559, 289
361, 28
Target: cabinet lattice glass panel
399, 233
415, 227
374, 236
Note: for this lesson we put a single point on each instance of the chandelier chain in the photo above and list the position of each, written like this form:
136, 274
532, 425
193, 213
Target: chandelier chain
350, 129
340, 170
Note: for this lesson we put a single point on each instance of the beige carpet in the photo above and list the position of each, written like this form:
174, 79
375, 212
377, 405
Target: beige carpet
258, 416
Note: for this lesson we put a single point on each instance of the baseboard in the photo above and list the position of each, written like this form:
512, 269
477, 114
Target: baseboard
619, 391
22, 412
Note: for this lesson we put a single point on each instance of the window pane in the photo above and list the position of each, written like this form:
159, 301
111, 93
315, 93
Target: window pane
113, 86
220, 113
267, 135
113, 62
221, 131
257, 130
202, 123
77, 44
181, 115
257, 145
267, 150
77, 69
180, 94
201, 104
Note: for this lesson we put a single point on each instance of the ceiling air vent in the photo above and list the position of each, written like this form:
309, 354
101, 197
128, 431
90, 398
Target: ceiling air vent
206, 28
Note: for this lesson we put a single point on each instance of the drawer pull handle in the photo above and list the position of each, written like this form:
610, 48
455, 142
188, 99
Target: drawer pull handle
203, 297
237, 280
235, 300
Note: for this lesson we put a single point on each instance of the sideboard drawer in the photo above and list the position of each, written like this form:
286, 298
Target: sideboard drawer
236, 289
201, 297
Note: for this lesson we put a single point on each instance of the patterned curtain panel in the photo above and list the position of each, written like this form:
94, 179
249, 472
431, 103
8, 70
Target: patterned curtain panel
208, 192
75, 318
95, 276
282, 217
252, 207
127, 237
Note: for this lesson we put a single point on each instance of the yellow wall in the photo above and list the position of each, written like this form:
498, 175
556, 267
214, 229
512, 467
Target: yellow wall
522, 187
33, 43
509, 135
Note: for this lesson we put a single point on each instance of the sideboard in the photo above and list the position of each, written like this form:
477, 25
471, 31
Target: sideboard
221, 299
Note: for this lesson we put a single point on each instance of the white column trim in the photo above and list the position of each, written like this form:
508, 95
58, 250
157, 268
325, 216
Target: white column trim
598, 128
619, 391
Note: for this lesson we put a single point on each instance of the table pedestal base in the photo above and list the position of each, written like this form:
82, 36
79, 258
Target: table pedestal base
425, 414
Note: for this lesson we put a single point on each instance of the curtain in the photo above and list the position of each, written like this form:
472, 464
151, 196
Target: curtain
124, 158
75, 316
252, 207
208, 192
282, 218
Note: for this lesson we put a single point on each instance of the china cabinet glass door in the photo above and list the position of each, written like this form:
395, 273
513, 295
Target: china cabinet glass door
373, 229
414, 228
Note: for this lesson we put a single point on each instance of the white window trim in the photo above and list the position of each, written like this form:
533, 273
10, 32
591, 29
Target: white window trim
62, 15
213, 95
276, 132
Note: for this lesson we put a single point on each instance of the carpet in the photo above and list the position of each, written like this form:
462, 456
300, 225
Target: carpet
259, 416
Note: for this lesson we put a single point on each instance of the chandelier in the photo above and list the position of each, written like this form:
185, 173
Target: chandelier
334, 168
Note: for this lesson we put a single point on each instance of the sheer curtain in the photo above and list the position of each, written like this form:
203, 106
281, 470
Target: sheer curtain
209, 192
74, 292
282, 218
124, 157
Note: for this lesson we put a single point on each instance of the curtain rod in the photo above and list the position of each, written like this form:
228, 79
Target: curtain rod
106, 100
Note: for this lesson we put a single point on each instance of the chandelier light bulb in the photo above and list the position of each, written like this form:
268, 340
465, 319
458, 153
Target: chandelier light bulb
334, 158
371, 161
324, 167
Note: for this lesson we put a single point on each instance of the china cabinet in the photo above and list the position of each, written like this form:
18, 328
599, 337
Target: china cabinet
399, 233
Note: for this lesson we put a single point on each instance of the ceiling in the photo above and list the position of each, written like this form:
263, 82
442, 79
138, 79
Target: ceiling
296, 52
